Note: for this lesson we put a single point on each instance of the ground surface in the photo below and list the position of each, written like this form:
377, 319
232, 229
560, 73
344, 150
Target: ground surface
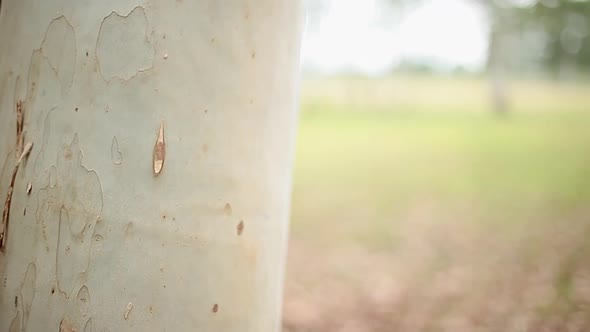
416, 209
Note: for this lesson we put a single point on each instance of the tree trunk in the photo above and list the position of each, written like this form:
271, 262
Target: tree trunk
496, 69
155, 196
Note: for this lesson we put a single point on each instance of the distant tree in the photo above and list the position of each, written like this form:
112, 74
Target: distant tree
547, 36
566, 26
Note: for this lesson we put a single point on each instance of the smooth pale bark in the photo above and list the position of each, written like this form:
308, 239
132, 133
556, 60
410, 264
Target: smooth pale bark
101, 242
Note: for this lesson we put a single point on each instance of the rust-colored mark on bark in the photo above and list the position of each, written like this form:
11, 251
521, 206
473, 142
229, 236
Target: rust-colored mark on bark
6, 212
68, 154
240, 227
128, 230
15, 324
215, 308
67, 326
159, 150
20, 120
128, 310
227, 210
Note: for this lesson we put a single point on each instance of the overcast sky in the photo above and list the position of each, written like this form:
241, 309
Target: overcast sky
355, 35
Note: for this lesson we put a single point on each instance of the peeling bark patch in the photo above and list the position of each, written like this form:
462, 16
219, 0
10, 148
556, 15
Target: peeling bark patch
123, 48
88, 326
27, 292
116, 155
15, 324
43, 158
44, 94
83, 300
44, 207
7, 203
76, 203
159, 151
128, 310
59, 47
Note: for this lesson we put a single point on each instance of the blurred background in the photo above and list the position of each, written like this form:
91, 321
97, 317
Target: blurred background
442, 176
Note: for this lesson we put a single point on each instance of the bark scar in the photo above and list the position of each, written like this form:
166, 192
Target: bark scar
6, 212
159, 151
128, 310
20, 119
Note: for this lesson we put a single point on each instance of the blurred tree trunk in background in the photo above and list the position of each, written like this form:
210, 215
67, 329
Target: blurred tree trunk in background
156, 193
496, 65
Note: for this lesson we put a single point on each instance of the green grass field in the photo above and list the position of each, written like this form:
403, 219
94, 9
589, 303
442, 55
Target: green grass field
398, 167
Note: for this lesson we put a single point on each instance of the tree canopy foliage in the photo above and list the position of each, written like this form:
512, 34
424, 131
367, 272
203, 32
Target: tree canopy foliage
551, 35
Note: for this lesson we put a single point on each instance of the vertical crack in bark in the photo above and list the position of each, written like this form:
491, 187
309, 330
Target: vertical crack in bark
6, 212
20, 119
